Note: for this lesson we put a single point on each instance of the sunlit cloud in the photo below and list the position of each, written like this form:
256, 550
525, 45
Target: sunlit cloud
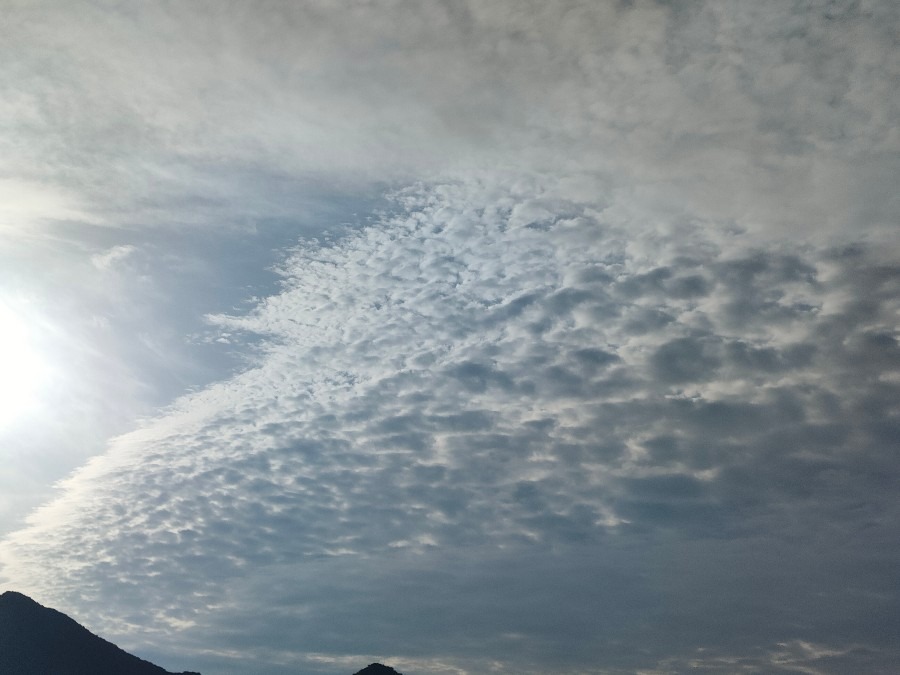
24, 371
109, 259
25, 205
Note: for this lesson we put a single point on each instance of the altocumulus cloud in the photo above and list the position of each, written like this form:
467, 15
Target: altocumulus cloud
631, 408
481, 435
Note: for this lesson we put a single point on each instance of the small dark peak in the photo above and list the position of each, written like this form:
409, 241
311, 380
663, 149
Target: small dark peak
14, 596
377, 669
13, 602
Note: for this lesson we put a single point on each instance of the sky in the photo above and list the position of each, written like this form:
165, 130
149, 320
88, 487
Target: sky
500, 337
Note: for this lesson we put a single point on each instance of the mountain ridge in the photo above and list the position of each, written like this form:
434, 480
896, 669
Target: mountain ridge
37, 640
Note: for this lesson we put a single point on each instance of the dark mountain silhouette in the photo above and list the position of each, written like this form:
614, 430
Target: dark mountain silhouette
37, 640
377, 669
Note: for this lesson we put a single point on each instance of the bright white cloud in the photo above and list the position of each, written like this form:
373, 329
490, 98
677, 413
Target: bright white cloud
113, 257
24, 205
23, 370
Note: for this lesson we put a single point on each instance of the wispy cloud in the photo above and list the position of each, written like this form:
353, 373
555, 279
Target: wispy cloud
201, 113
113, 257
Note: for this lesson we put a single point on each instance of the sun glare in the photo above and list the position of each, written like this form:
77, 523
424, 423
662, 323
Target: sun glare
21, 367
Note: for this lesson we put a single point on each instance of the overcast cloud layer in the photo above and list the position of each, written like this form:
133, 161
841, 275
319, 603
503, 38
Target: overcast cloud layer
579, 354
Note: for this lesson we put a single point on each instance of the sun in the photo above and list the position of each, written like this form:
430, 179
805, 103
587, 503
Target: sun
22, 369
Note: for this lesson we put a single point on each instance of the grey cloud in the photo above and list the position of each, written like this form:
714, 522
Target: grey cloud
643, 284
686, 360
689, 286
769, 359
643, 320
477, 377
594, 357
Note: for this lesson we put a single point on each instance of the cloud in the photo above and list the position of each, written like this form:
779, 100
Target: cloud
28, 203
438, 425
203, 114
112, 257
615, 380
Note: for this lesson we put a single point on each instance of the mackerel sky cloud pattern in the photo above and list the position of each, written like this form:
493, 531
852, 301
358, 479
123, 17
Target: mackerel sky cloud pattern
456, 380
468, 337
